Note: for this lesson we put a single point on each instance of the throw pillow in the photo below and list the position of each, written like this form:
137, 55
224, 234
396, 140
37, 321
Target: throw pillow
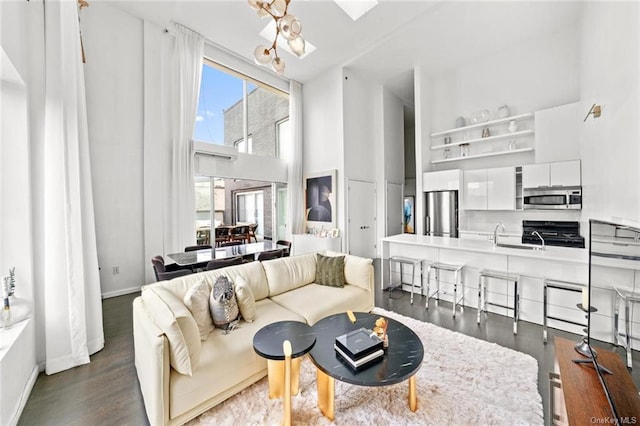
176, 322
223, 304
246, 301
330, 270
197, 300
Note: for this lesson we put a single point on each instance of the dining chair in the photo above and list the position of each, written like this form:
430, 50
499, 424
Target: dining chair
252, 232
166, 272
240, 233
287, 251
221, 235
271, 254
198, 247
223, 263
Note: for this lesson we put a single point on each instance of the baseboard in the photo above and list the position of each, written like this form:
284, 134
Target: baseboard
26, 392
122, 292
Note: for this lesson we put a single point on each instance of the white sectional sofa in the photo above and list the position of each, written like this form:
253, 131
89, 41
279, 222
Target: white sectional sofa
284, 289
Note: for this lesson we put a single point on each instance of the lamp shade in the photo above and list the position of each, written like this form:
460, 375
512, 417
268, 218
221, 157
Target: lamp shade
278, 65
297, 45
290, 27
262, 55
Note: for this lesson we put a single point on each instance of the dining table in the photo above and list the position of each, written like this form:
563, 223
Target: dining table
248, 251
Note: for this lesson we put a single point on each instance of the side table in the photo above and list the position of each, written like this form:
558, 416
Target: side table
267, 343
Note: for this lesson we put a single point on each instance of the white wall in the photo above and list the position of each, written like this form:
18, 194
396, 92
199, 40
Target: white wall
113, 43
21, 214
609, 145
323, 136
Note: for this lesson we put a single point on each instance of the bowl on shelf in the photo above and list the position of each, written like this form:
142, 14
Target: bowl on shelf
480, 116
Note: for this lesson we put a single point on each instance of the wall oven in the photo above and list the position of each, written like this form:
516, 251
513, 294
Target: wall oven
552, 198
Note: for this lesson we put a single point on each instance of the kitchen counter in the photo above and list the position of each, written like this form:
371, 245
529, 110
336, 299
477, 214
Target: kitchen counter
552, 253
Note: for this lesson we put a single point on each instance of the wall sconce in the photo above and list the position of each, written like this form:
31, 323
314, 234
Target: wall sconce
596, 110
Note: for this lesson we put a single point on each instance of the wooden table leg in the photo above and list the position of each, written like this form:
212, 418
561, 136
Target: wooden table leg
326, 394
413, 394
275, 371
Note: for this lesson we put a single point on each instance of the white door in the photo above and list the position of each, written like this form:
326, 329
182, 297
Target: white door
394, 201
361, 219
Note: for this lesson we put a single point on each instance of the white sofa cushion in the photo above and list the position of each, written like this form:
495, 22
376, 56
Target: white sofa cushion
246, 301
288, 273
197, 301
357, 270
315, 301
177, 323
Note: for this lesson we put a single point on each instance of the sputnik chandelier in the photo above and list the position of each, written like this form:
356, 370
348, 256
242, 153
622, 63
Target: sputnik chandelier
286, 25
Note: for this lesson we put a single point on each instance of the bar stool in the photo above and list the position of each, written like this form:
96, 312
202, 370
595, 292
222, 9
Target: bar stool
557, 285
458, 279
482, 294
401, 261
627, 297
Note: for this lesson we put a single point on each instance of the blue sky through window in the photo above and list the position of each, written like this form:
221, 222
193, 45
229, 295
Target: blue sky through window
218, 92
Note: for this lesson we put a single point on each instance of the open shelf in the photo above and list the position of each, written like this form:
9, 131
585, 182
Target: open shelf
487, 139
487, 154
485, 124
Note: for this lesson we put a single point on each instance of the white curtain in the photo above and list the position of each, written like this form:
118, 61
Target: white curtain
295, 190
187, 69
73, 306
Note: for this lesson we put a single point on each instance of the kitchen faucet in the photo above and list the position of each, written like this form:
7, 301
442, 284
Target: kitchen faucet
495, 233
537, 234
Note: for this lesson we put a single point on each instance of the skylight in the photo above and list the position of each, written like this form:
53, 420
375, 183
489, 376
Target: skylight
356, 8
269, 33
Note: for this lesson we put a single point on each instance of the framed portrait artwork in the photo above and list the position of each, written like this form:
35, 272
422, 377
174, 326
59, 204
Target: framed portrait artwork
408, 216
320, 200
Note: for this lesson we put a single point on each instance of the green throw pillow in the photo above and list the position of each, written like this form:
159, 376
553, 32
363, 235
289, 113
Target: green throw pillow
330, 270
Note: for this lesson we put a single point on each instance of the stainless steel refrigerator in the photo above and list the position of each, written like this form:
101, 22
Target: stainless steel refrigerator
441, 213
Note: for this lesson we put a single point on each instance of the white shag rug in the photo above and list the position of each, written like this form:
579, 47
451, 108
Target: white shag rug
462, 381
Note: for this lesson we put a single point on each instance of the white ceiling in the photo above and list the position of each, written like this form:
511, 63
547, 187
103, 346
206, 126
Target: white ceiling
383, 45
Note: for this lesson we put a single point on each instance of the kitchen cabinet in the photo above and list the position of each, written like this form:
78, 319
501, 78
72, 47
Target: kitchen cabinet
561, 173
445, 180
490, 189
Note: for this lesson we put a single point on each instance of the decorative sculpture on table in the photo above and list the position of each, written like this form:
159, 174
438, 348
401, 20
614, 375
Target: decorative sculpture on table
14, 309
381, 331
6, 310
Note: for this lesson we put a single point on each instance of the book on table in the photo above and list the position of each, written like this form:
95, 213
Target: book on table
359, 347
360, 363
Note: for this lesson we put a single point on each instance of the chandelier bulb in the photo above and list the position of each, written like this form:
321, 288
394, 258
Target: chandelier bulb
278, 65
290, 27
297, 45
262, 55
279, 7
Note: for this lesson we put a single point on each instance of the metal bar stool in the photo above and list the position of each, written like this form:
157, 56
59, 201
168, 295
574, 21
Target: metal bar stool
557, 285
482, 294
458, 279
401, 261
627, 297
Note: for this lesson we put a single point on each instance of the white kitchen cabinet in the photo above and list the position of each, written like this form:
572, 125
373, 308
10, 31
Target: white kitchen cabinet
501, 188
474, 196
565, 173
489, 189
561, 173
445, 180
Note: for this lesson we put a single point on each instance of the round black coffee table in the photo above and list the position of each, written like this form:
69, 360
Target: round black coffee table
267, 343
401, 360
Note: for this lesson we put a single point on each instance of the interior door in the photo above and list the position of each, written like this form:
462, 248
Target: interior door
361, 237
394, 204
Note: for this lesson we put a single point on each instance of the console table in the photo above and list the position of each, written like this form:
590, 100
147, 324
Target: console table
579, 398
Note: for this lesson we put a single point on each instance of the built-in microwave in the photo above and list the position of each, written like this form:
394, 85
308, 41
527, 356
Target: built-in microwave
553, 198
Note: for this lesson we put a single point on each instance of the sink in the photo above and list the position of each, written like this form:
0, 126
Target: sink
520, 246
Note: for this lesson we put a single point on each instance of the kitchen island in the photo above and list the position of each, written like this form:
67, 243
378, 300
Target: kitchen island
534, 266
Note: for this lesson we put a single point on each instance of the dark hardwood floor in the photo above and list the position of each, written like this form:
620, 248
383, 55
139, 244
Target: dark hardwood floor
106, 391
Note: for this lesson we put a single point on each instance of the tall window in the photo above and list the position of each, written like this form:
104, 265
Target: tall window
238, 111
